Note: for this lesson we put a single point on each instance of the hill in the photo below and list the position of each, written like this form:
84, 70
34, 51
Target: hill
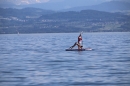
27, 21
83, 15
23, 13
109, 6
112, 6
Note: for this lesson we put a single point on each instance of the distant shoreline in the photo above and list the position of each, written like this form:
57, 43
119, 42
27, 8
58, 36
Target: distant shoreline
64, 32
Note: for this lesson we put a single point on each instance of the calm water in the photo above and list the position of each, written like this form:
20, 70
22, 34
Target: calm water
41, 60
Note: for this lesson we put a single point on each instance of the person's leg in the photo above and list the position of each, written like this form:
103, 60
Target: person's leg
73, 45
79, 46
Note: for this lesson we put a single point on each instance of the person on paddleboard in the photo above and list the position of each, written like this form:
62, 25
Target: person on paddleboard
80, 39
79, 43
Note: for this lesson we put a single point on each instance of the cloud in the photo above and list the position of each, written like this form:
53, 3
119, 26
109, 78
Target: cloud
69, 2
42, 0
24, 1
19, 2
38, 1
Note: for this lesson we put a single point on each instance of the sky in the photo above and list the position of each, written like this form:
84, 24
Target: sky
82, 2
55, 4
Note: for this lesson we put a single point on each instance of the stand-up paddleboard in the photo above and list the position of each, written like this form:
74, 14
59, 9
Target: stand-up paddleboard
79, 45
85, 49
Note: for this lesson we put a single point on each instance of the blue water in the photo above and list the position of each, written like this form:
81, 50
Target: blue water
41, 60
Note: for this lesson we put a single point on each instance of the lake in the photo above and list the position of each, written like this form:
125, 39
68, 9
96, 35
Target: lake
41, 59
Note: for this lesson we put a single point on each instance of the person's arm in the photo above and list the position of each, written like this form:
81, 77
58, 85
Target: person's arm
80, 35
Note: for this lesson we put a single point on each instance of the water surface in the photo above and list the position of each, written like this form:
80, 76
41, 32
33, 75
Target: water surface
41, 60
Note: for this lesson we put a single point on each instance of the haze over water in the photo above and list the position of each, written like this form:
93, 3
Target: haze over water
41, 60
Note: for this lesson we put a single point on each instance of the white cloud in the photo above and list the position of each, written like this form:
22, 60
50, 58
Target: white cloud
38, 1
42, 1
90, 2
19, 2
24, 1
